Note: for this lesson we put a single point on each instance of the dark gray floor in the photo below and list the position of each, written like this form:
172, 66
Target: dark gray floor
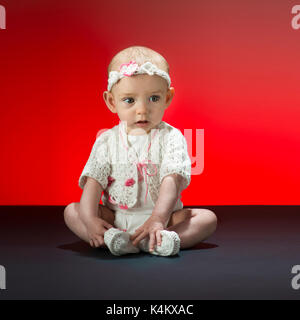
249, 257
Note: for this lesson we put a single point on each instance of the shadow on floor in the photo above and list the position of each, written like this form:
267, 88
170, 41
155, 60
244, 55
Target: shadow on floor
84, 249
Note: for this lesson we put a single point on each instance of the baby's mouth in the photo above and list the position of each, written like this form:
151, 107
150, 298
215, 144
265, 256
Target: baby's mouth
146, 121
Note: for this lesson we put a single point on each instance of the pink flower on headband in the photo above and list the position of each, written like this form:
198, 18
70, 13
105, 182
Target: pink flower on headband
128, 69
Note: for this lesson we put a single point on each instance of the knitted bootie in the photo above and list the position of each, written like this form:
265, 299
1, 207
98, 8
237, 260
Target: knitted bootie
118, 242
170, 244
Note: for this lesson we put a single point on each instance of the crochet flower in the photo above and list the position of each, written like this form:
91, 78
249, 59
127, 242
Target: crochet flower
128, 69
110, 181
124, 207
149, 68
129, 182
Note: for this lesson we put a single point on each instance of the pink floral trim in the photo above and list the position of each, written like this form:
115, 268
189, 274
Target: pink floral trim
142, 166
110, 181
111, 200
124, 207
128, 69
129, 182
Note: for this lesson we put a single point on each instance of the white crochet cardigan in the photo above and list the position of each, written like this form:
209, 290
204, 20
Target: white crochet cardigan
114, 163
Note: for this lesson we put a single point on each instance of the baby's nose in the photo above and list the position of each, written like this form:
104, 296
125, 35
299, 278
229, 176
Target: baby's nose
142, 108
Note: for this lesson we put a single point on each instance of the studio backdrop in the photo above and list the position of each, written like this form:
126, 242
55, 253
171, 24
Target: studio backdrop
234, 65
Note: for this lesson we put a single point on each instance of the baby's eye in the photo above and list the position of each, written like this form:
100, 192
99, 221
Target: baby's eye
131, 100
155, 98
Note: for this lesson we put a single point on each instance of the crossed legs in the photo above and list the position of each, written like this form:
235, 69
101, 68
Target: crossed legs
192, 225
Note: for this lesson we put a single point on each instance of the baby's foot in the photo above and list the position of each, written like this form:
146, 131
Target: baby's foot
118, 242
170, 244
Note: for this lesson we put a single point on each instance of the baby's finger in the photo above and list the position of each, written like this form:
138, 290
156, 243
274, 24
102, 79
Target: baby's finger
136, 234
139, 238
158, 237
91, 243
107, 225
96, 243
100, 240
152, 241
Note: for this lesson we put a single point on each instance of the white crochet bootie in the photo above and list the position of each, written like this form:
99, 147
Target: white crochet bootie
170, 244
118, 242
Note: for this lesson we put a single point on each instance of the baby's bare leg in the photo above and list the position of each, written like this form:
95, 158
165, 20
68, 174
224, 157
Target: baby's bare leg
192, 225
76, 225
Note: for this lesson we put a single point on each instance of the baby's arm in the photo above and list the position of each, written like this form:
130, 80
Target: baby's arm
175, 170
90, 198
89, 212
169, 192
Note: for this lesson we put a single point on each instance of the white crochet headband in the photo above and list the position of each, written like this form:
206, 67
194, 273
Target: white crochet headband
132, 68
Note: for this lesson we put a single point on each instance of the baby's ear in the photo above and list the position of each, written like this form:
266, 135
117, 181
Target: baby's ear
109, 101
169, 96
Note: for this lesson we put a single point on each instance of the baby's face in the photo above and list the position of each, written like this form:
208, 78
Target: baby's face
138, 98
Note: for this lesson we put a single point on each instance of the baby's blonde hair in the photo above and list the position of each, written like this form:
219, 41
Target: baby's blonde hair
140, 54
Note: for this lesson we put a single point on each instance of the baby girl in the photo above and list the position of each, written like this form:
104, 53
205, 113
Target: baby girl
141, 166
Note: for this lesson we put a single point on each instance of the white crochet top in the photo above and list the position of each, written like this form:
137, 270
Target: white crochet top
139, 143
130, 169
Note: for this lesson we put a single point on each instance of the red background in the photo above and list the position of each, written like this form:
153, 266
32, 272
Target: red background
234, 66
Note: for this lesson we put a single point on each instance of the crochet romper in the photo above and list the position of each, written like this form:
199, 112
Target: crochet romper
130, 170
132, 218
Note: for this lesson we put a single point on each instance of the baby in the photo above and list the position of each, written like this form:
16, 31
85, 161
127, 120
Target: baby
141, 166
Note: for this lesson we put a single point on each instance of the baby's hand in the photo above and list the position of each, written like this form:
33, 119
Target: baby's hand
96, 229
151, 227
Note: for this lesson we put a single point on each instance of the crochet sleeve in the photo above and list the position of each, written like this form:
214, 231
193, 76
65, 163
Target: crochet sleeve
176, 158
98, 164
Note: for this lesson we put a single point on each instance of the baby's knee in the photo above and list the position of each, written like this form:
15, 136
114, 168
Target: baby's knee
212, 220
211, 216
208, 216
71, 212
